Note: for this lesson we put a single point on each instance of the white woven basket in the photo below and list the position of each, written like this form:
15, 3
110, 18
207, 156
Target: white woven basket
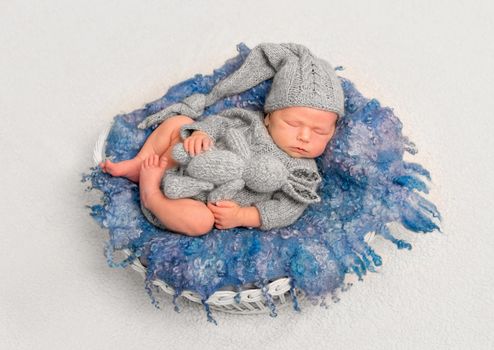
251, 299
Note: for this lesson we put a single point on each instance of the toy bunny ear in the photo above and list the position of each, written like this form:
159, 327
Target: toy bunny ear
300, 193
301, 185
304, 176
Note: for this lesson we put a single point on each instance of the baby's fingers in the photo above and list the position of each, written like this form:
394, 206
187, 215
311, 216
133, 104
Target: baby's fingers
207, 143
198, 145
203, 145
214, 209
190, 145
186, 144
211, 206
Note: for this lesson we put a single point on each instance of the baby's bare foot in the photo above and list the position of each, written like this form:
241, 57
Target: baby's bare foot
151, 173
127, 168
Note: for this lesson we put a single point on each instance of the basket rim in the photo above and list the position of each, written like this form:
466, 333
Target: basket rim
248, 301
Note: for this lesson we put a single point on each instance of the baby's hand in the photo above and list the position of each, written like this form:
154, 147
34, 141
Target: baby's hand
197, 142
226, 214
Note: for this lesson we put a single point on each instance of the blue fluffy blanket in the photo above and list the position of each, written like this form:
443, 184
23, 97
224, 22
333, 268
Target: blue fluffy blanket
366, 186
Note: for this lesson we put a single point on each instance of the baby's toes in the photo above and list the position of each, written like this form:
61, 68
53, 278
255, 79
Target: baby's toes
108, 167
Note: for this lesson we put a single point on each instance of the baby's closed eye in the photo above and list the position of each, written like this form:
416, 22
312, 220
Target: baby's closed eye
293, 123
317, 130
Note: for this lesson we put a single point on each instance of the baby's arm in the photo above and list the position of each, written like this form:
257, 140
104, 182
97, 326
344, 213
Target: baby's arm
265, 215
273, 213
280, 211
201, 135
250, 217
228, 214
214, 126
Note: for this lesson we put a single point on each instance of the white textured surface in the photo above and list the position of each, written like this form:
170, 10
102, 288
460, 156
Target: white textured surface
67, 68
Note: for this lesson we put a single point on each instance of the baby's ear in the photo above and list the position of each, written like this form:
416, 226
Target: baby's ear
267, 119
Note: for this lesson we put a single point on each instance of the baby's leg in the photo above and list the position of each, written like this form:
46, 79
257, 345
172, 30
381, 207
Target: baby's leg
159, 142
186, 216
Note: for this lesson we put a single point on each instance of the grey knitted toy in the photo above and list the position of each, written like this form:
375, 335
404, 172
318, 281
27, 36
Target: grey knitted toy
225, 172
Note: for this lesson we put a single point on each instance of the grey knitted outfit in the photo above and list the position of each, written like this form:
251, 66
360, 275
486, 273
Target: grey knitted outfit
280, 190
276, 208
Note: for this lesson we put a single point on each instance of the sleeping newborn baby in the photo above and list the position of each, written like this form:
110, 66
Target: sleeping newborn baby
241, 167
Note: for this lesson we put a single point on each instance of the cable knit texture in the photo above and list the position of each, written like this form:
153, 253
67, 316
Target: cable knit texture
245, 166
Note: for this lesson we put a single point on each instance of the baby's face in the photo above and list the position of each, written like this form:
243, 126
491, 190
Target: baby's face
302, 132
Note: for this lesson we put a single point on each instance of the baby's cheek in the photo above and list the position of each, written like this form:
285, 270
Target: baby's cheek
320, 146
286, 134
281, 130
321, 142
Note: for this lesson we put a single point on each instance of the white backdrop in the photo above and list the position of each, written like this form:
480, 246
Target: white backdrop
67, 68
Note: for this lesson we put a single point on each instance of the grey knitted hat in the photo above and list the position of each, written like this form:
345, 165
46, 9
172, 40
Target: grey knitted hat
299, 79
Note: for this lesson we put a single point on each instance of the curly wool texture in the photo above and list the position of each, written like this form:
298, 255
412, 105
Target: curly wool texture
366, 185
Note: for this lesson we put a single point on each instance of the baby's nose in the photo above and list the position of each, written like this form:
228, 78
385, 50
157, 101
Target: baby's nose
304, 135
